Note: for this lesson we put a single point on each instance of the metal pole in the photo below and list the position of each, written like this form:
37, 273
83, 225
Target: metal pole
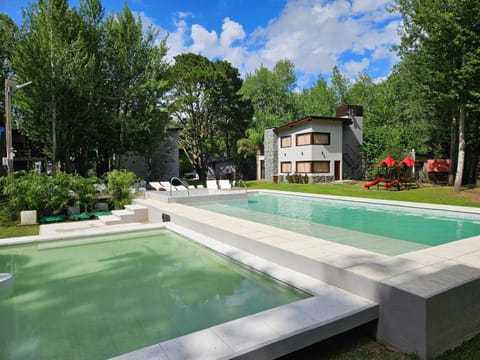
8, 126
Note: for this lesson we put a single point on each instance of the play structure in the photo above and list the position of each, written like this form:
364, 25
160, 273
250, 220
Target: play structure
398, 175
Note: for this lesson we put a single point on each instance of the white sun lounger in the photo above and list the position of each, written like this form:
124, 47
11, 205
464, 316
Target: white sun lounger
212, 184
157, 186
224, 184
168, 186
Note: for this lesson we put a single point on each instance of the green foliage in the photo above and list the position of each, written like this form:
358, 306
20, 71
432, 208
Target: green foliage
41, 192
8, 37
205, 102
297, 178
271, 94
118, 186
97, 88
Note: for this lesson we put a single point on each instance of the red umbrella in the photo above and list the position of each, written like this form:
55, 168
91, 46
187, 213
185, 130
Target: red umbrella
388, 161
407, 161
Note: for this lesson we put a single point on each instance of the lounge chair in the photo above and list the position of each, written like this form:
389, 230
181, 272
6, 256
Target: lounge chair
157, 186
168, 186
224, 184
212, 184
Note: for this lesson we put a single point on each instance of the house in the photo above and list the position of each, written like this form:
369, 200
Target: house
25, 156
322, 147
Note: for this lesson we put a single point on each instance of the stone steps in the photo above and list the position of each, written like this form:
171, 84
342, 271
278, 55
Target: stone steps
131, 214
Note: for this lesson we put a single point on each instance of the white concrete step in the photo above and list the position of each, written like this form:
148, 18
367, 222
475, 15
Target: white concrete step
131, 214
110, 219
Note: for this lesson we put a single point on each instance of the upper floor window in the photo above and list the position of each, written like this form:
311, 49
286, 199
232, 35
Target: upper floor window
315, 138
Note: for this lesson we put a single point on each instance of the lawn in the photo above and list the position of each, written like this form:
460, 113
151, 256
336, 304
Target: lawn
14, 230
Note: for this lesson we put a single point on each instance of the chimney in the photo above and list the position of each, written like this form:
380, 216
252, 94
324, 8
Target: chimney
349, 111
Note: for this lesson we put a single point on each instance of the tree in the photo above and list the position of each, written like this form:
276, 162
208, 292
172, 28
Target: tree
136, 81
40, 56
8, 37
317, 100
206, 104
271, 93
98, 84
441, 40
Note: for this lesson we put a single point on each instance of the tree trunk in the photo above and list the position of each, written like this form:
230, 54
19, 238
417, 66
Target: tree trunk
54, 107
453, 142
457, 187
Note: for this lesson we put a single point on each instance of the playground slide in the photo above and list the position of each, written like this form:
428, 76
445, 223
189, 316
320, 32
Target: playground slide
373, 182
390, 183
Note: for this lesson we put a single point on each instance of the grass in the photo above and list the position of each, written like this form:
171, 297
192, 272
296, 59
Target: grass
7, 231
359, 344
425, 194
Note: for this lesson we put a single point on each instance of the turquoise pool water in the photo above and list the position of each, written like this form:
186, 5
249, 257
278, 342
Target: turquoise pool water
115, 294
388, 230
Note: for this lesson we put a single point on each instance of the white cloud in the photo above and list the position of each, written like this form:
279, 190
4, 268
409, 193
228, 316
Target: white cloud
231, 32
353, 68
315, 34
368, 5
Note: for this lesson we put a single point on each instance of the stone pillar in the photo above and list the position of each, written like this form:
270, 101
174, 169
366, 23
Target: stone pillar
271, 153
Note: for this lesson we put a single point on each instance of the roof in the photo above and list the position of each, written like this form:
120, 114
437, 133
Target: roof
292, 124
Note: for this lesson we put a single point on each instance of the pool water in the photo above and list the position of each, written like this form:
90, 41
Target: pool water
100, 297
390, 230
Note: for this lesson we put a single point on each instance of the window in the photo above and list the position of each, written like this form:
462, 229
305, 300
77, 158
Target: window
286, 167
303, 139
304, 166
321, 139
313, 166
313, 139
286, 141
321, 166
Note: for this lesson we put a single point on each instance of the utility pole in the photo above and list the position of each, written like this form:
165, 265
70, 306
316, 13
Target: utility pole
10, 82
10, 85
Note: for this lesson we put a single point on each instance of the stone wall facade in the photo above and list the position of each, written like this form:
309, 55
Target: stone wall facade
270, 153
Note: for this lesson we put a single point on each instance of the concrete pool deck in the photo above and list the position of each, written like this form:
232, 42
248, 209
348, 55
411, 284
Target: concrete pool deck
428, 298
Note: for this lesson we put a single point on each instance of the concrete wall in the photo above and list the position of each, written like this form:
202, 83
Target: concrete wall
271, 154
352, 143
163, 163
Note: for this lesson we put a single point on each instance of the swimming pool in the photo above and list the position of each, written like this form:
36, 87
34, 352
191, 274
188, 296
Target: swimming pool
99, 297
389, 230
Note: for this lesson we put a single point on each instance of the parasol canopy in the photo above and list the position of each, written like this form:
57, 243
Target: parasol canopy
388, 161
408, 161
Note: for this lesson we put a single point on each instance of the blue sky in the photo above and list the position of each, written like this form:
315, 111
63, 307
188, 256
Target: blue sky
355, 35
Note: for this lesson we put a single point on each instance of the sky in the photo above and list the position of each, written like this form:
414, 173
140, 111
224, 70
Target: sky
316, 35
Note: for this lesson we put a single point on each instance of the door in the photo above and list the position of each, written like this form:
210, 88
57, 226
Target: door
337, 169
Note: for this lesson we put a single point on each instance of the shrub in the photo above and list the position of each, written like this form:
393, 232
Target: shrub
26, 191
33, 191
118, 186
297, 179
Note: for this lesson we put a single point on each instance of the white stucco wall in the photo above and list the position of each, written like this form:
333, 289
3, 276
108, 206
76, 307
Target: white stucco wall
332, 152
